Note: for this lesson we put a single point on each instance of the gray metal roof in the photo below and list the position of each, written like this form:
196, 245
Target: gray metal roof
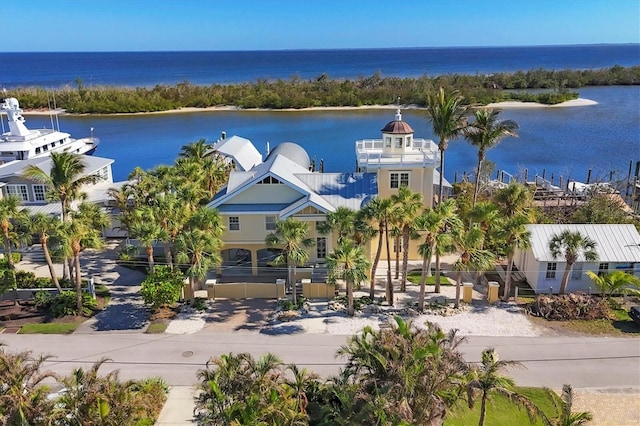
351, 190
614, 243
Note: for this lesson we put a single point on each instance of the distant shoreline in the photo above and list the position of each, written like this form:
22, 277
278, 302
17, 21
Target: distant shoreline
500, 105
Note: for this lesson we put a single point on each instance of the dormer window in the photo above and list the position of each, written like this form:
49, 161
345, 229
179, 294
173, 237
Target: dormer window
269, 180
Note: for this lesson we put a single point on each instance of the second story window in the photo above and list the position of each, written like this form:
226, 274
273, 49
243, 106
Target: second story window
234, 223
270, 223
398, 179
19, 191
551, 270
40, 192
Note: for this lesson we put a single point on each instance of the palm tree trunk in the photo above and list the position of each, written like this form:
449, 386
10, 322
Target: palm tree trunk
477, 185
437, 289
483, 409
192, 285
76, 258
565, 279
7, 249
431, 251
405, 258
458, 285
389, 283
440, 188
292, 282
150, 258
374, 267
507, 280
167, 254
351, 311
423, 279
52, 271
396, 244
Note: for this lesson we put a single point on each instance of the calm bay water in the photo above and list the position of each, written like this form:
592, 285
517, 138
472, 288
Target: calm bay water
566, 141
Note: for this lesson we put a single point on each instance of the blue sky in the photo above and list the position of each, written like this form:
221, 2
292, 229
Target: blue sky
137, 25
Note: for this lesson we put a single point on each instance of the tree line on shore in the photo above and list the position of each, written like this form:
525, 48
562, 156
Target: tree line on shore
324, 91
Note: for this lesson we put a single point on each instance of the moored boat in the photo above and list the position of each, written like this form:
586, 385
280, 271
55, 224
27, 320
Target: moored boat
21, 143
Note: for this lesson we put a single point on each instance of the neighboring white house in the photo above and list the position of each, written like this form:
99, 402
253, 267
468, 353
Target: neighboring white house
617, 246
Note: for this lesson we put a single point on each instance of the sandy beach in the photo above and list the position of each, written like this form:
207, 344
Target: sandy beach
501, 105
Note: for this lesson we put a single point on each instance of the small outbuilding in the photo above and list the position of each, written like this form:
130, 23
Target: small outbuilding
617, 247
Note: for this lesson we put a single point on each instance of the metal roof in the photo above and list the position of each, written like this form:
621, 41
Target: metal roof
351, 190
240, 150
614, 243
293, 152
16, 168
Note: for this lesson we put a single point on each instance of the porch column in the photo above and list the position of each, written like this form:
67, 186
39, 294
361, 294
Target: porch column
254, 262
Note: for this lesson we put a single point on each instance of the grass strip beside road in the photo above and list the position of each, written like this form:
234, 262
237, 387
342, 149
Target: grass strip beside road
49, 328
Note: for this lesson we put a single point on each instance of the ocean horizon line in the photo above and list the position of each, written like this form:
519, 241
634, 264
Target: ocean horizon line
332, 49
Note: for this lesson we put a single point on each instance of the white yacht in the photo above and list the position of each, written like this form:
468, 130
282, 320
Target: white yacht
20, 143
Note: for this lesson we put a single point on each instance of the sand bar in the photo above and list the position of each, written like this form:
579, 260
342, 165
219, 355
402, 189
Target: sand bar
501, 105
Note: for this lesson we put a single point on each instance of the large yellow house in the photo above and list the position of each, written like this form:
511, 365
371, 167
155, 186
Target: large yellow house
259, 193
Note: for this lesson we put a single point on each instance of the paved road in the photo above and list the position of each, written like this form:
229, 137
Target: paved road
585, 362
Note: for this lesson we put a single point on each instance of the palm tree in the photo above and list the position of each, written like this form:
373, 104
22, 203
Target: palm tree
513, 235
171, 215
9, 212
292, 235
198, 151
23, 394
468, 242
448, 116
513, 199
64, 180
616, 282
407, 205
44, 226
147, 231
486, 132
404, 375
570, 245
564, 405
348, 263
80, 233
343, 220
379, 210
199, 244
432, 223
486, 379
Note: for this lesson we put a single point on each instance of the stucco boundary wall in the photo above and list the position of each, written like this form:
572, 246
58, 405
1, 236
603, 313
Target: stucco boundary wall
267, 290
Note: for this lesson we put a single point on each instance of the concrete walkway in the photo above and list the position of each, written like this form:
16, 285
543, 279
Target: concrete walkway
178, 410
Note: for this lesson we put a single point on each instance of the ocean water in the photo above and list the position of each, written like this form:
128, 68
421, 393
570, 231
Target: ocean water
562, 141
145, 69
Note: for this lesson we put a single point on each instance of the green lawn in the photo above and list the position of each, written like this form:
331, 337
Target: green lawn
157, 327
500, 412
49, 328
415, 275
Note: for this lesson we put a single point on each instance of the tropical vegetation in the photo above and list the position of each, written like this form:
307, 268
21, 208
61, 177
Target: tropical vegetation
324, 91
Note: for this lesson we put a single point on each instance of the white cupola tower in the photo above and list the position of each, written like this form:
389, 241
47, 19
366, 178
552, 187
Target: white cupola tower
397, 135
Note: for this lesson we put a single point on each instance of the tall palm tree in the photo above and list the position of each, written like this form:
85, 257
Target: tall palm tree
379, 210
198, 150
83, 231
407, 205
171, 216
448, 115
9, 212
44, 226
513, 236
291, 235
348, 263
486, 379
432, 223
571, 245
468, 242
485, 132
64, 180
564, 405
